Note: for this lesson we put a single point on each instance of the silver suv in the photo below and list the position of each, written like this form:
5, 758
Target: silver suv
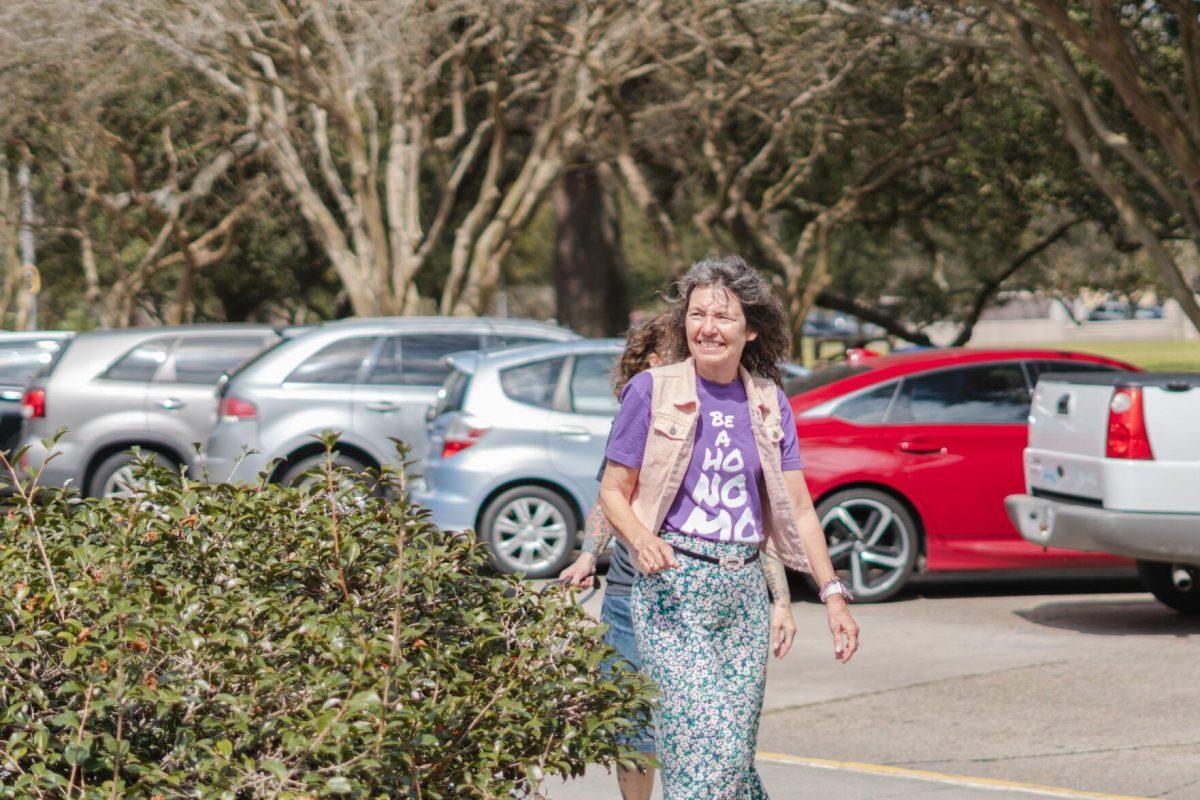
152, 388
368, 379
515, 441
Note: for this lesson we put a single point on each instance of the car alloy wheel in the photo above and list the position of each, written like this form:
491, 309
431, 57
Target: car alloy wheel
872, 542
123, 483
530, 529
120, 476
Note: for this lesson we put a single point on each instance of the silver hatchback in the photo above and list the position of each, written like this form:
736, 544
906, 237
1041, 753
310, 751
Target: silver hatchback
367, 379
515, 441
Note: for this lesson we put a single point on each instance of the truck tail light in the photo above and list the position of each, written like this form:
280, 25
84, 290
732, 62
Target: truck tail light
1127, 436
463, 431
233, 409
33, 404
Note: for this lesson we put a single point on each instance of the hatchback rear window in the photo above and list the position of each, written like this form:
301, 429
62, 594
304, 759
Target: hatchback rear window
450, 397
534, 384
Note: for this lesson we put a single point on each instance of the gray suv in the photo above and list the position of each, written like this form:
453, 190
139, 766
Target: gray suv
368, 379
152, 388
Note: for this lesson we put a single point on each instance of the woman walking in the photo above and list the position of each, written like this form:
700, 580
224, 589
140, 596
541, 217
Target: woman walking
704, 478
648, 345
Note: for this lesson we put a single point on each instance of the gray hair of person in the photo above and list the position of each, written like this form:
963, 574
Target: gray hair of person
760, 305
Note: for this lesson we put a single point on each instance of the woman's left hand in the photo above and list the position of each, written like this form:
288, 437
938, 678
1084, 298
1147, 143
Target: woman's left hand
783, 629
843, 627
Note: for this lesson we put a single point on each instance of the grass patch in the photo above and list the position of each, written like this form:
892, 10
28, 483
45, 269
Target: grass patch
1160, 355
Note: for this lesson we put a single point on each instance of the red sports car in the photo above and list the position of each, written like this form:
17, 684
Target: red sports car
909, 458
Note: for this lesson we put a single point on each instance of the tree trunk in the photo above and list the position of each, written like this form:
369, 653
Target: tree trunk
9, 259
589, 268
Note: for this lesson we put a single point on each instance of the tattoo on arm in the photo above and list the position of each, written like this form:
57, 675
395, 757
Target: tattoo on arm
597, 531
776, 577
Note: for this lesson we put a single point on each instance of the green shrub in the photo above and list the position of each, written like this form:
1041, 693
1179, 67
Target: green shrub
218, 641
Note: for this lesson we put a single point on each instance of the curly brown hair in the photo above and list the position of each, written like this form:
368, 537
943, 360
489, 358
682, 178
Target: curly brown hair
761, 306
655, 335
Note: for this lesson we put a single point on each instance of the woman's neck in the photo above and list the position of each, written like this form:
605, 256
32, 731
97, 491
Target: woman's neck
721, 374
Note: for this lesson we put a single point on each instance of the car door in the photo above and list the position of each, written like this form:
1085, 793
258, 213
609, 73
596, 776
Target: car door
405, 374
118, 395
317, 395
181, 399
959, 434
581, 419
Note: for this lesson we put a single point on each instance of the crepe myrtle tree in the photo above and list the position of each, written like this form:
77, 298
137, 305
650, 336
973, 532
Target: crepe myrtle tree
210, 640
773, 129
1124, 78
416, 140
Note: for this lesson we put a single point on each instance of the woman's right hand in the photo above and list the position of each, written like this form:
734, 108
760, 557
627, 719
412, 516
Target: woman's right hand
580, 573
651, 554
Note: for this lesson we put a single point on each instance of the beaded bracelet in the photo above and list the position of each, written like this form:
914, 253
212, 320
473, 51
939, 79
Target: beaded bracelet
834, 586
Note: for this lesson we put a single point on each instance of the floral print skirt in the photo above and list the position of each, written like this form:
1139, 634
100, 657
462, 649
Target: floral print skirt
704, 631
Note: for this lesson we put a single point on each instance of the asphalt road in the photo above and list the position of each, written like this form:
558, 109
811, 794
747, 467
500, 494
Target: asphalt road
1045, 687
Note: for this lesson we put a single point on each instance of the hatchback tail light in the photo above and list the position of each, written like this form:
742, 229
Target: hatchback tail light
233, 409
1127, 436
462, 431
33, 404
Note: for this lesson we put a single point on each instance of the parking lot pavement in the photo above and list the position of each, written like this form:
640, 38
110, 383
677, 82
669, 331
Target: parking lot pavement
786, 781
1088, 686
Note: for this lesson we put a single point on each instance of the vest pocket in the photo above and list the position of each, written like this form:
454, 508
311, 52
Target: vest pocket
667, 433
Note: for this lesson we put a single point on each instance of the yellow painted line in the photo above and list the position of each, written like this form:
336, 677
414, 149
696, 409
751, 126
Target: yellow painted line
940, 777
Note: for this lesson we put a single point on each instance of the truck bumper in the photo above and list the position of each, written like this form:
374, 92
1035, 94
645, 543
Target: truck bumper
1144, 536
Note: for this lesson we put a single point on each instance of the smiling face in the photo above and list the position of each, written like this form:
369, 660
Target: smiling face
716, 332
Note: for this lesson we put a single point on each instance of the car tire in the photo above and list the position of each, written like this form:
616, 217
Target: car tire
294, 473
529, 529
873, 542
1160, 579
116, 470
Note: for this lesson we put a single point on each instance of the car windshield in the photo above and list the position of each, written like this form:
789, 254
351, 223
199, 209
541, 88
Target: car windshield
823, 376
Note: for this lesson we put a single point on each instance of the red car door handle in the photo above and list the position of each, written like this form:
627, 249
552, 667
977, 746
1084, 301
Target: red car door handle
920, 447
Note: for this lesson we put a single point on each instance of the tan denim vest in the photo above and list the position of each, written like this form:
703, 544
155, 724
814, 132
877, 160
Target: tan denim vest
674, 411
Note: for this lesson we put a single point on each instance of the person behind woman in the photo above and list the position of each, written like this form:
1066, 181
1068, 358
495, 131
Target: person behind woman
647, 345
644, 348
703, 477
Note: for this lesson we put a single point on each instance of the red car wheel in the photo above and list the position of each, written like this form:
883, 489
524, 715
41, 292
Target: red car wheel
873, 542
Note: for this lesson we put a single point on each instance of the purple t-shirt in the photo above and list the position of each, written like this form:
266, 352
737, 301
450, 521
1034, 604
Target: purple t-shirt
720, 497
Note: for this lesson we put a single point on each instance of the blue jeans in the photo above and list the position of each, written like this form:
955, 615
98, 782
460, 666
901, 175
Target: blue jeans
617, 615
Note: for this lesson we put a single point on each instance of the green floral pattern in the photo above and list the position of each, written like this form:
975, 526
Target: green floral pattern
704, 634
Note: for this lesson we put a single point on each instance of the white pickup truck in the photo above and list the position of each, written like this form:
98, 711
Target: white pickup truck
1113, 466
